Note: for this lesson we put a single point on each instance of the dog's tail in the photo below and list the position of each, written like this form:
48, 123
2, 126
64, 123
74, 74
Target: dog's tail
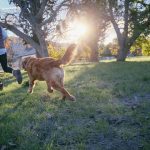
68, 56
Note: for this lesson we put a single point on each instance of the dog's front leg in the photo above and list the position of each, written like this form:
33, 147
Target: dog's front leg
31, 85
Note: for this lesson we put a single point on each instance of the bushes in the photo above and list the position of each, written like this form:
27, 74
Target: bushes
141, 45
55, 53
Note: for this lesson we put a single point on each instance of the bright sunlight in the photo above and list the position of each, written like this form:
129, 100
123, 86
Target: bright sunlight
77, 31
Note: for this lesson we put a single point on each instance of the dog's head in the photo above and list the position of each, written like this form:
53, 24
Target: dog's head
25, 63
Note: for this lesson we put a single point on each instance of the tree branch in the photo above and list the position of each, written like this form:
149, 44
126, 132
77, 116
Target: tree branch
51, 18
126, 20
138, 32
21, 34
115, 25
40, 13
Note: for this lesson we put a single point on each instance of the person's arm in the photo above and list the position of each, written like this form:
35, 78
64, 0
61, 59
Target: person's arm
4, 33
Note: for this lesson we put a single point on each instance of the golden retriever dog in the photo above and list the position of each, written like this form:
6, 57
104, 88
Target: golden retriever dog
50, 70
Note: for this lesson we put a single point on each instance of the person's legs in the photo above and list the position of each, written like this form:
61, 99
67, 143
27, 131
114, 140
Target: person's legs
16, 73
3, 61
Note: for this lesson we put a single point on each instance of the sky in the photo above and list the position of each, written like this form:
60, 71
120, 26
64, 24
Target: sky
4, 5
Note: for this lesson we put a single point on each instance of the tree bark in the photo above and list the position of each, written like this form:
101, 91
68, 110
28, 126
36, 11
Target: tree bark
122, 54
41, 40
122, 37
94, 48
92, 42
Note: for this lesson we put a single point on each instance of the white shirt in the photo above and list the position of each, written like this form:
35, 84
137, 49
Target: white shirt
4, 35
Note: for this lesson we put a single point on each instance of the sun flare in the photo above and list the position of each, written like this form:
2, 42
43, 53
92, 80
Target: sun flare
77, 30
80, 29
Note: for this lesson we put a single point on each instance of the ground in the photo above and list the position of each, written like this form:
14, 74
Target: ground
112, 110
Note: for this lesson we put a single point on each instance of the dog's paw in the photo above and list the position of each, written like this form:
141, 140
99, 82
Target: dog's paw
30, 91
50, 90
72, 98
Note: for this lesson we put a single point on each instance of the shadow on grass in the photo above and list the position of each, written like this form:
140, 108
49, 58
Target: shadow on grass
12, 110
97, 120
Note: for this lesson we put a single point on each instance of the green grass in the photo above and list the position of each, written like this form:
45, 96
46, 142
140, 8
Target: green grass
112, 110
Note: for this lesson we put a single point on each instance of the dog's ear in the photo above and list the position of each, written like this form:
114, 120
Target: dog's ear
24, 63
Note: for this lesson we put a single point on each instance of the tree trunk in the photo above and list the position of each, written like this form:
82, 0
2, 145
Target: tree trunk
122, 54
43, 52
94, 54
122, 37
93, 44
43, 49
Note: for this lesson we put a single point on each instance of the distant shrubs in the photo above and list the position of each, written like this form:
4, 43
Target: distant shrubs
83, 53
141, 46
110, 49
55, 53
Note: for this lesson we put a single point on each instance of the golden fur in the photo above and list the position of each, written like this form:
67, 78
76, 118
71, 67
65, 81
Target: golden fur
49, 70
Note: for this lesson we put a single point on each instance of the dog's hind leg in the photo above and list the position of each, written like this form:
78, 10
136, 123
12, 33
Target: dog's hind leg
49, 87
64, 92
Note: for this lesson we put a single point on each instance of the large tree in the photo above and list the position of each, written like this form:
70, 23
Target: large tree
130, 19
33, 20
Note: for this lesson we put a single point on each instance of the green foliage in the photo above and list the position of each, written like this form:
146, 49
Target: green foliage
106, 52
84, 53
139, 16
143, 44
114, 47
146, 48
55, 53
110, 49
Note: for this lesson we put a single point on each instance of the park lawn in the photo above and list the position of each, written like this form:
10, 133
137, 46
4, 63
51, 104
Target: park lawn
112, 110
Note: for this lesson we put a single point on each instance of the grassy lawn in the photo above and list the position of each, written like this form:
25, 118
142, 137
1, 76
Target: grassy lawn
112, 110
